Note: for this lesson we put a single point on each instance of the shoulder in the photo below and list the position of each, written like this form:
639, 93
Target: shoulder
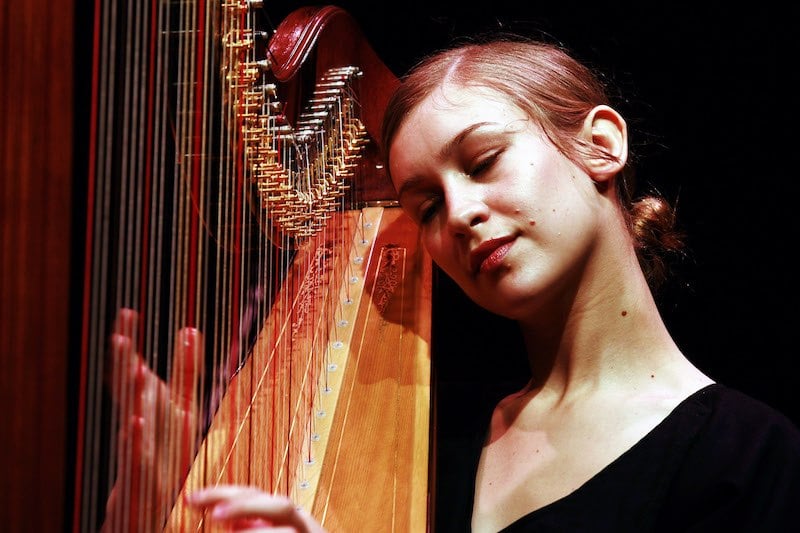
735, 416
742, 462
737, 432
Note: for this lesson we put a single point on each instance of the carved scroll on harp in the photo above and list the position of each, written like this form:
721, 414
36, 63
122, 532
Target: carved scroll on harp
217, 206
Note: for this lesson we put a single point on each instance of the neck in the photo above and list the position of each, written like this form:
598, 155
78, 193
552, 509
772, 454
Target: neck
609, 334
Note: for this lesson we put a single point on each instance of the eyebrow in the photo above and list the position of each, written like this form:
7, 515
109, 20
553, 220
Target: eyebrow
408, 186
447, 149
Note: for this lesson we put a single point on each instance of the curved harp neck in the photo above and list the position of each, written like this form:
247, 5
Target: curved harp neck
337, 40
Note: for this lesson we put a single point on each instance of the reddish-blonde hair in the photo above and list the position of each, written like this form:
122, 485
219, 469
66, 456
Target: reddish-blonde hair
557, 92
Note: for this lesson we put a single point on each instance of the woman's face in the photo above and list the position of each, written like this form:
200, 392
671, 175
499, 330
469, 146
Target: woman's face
500, 209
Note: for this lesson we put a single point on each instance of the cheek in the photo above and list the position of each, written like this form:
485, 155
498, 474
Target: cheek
526, 196
544, 191
432, 242
442, 252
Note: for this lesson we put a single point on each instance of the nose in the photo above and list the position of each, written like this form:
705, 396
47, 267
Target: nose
466, 209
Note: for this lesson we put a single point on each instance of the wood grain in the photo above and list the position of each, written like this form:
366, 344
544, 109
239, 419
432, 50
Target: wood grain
371, 424
37, 109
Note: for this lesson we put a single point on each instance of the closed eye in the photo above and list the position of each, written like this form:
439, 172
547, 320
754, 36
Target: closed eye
485, 163
428, 209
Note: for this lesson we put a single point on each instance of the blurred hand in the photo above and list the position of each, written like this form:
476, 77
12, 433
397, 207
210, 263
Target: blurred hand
241, 508
158, 424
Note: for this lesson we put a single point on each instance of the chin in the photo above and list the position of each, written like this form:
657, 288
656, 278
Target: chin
496, 304
511, 300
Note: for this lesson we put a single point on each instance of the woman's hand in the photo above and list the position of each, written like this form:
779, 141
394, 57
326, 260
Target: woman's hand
158, 423
241, 508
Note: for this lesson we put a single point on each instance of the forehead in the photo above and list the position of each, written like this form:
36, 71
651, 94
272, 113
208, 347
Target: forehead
441, 117
456, 106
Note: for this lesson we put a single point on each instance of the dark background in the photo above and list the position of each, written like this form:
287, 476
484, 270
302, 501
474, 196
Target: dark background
709, 94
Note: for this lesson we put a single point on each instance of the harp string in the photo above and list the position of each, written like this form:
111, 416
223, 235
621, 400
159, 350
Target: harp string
188, 255
87, 477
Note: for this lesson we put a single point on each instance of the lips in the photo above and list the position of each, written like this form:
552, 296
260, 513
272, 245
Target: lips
489, 254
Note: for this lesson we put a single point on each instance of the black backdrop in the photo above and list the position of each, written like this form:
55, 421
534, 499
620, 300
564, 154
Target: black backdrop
709, 95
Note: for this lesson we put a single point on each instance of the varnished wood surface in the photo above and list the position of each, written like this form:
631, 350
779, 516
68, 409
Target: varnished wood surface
325, 37
37, 109
376, 475
371, 451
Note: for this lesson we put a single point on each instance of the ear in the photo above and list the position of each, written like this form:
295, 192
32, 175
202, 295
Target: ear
606, 129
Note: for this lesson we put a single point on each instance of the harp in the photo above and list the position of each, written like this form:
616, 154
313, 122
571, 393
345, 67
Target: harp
234, 187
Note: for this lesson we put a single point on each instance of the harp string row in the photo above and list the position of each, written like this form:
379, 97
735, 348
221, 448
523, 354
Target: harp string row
212, 208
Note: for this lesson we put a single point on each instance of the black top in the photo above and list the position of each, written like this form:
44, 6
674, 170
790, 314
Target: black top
720, 461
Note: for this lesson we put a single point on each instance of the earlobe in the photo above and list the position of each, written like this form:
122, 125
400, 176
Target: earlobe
606, 130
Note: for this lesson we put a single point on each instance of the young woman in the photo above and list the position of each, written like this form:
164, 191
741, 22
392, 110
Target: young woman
511, 161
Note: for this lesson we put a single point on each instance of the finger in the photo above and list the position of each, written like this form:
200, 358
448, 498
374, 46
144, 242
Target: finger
123, 508
257, 525
210, 496
261, 528
184, 377
126, 322
112, 509
124, 369
187, 367
277, 509
124, 363
245, 508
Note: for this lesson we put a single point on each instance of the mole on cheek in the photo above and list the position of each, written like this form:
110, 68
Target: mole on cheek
532, 222
624, 313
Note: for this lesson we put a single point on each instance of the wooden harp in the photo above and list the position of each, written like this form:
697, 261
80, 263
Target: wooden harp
234, 187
